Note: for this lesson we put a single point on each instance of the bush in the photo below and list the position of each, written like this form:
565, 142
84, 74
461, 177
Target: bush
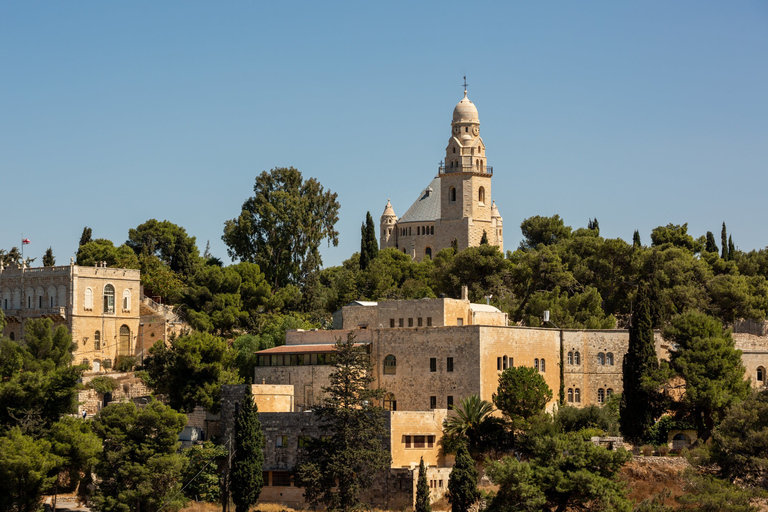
663, 450
573, 419
125, 363
102, 384
646, 450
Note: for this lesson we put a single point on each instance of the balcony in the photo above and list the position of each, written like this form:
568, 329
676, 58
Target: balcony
442, 169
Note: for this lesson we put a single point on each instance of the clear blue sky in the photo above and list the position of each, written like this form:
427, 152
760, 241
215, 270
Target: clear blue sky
638, 114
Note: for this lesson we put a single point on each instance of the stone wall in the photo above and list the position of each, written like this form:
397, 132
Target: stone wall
307, 381
273, 398
416, 423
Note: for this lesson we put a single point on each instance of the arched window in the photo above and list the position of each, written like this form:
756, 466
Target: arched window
125, 340
600, 395
390, 404
504, 363
452, 193
570, 395
109, 299
577, 358
390, 365
13, 336
97, 340
609, 358
96, 365
432, 230
52, 297
570, 357
85, 362
577, 395
126, 300
536, 363
608, 392
428, 252
481, 195
760, 374
543, 366
601, 359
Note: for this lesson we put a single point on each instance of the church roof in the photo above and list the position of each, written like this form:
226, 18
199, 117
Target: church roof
427, 206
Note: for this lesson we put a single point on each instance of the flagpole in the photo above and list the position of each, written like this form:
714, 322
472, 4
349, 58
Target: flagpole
23, 290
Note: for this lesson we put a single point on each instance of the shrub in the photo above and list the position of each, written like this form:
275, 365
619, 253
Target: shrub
646, 450
102, 384
663, 450
125, 363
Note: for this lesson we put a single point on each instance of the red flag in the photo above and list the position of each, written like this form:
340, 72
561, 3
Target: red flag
26, 241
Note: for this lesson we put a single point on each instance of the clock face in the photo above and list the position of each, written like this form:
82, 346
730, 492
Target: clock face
475, 130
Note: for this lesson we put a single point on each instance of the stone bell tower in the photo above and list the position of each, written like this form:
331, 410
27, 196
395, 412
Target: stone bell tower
466, 209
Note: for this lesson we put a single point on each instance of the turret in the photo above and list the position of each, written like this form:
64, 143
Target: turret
387, 231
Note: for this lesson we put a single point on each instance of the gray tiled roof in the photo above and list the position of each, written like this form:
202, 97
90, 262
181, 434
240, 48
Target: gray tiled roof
427, 206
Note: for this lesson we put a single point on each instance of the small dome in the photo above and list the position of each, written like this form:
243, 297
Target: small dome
465, 111
388, 210
494, 210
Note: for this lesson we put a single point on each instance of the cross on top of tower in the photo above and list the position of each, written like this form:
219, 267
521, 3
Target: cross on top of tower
465, 83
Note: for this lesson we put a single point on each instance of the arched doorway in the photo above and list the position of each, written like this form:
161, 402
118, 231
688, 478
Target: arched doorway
124, 348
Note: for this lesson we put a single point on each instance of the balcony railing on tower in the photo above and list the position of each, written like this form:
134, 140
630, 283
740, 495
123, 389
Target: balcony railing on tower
442, 169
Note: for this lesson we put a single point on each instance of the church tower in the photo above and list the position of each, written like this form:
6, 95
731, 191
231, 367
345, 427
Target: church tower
466, 209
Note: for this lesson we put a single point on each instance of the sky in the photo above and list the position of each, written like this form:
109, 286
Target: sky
638, 114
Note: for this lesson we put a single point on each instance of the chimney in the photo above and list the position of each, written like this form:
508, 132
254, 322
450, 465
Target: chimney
464, 293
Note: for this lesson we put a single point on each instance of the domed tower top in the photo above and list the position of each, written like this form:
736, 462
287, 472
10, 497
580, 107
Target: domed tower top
465, 111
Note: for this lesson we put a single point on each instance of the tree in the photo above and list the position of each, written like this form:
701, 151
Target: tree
48, 259
594, 225
73, 440
724, 243
563, 472
711, 245
543, 230
191, 370
202, 471
96, 251
159, 280
340, 466
474, 426
422, 490
711, 367
731, 248
167, 241
462, 483
25, 466
369, 248
139, 468
280, 228
676, 235
246, 477
484, 239
86, 236
522, 393
638, 407
636, 240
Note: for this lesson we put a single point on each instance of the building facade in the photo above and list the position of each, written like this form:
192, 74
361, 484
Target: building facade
456, 207
99, 305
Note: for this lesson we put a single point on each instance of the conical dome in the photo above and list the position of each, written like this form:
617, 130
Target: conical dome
494, 210
388, 210
465, 111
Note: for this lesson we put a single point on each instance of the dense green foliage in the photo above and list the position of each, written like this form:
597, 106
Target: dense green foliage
246, 478
191, 370
101, 249
202, 474
369, 247
475, 427
166, 241
522, 393
343, 464
462, 483
139, 468
25, 467
422, 490
48, 258
280, 228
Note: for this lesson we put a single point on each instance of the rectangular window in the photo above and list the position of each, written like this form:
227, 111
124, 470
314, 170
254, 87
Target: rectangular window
304, 441
449, 365
400, 322
440, 483
391, 322
419, 441
281, 479
419, 322
40, 301
429, 321
432, 364
430, 441
498, 363
410, 322
433, 402
321, 359
265, 477
459, 321
450, 402
281, 441
511, 362
407, 441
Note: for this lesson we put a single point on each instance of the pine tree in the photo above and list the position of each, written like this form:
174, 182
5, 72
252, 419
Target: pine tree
246, 478
86, 236
369, 248
422, 490
731, 248
711, 245
636, 240
462, 484
637, 408
484, 239
724, 243
48, 259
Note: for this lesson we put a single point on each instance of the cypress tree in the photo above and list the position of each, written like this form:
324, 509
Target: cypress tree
369, 247
48, 259
724, 243
246, 478
594, 225
636, 240
711, 245
637, 407
86, 236
484, 239
462, 484
731, 248
455, 245
422, 490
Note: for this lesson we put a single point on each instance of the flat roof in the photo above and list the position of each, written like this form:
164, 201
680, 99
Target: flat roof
303, 349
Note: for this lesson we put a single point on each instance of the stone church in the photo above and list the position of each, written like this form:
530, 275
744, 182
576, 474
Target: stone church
456, 207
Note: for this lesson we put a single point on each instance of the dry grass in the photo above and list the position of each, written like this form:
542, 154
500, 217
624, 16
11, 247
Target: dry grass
646, 480
214, 507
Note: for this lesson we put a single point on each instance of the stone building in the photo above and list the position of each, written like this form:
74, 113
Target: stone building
456, 206
102, 307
